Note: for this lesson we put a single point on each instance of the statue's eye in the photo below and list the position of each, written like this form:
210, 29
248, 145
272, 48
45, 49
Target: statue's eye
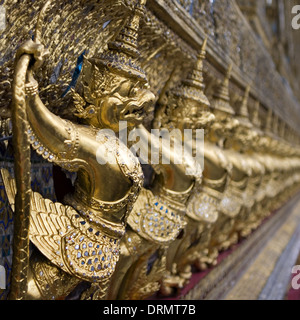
133, 92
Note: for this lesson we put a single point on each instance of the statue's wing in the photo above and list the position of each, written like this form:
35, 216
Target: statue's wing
48, 220
66, 239
10, 187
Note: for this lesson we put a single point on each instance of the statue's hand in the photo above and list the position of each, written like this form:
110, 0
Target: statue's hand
36, 50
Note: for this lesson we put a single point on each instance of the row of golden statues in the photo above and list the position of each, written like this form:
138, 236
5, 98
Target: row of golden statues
120, 238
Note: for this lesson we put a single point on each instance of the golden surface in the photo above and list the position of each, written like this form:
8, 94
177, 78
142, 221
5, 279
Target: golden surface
128, 236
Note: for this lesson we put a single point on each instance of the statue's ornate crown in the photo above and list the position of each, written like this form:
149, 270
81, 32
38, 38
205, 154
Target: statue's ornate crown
221, 99
193, 86
121, 56
243, 113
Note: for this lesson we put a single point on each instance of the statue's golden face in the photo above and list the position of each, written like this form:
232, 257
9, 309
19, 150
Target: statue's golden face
130, 103
244, 137
112, 97
189, 114
224, 126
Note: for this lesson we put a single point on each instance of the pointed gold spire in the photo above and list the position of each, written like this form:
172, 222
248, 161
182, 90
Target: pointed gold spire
221, 99
268, 124
275, 123
193, 86
256, 121
243, 110
242, 113
223, 90
122, 54
282, 129
195, 78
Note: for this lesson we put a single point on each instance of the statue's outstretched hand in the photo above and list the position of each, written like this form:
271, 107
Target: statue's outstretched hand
37, 50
